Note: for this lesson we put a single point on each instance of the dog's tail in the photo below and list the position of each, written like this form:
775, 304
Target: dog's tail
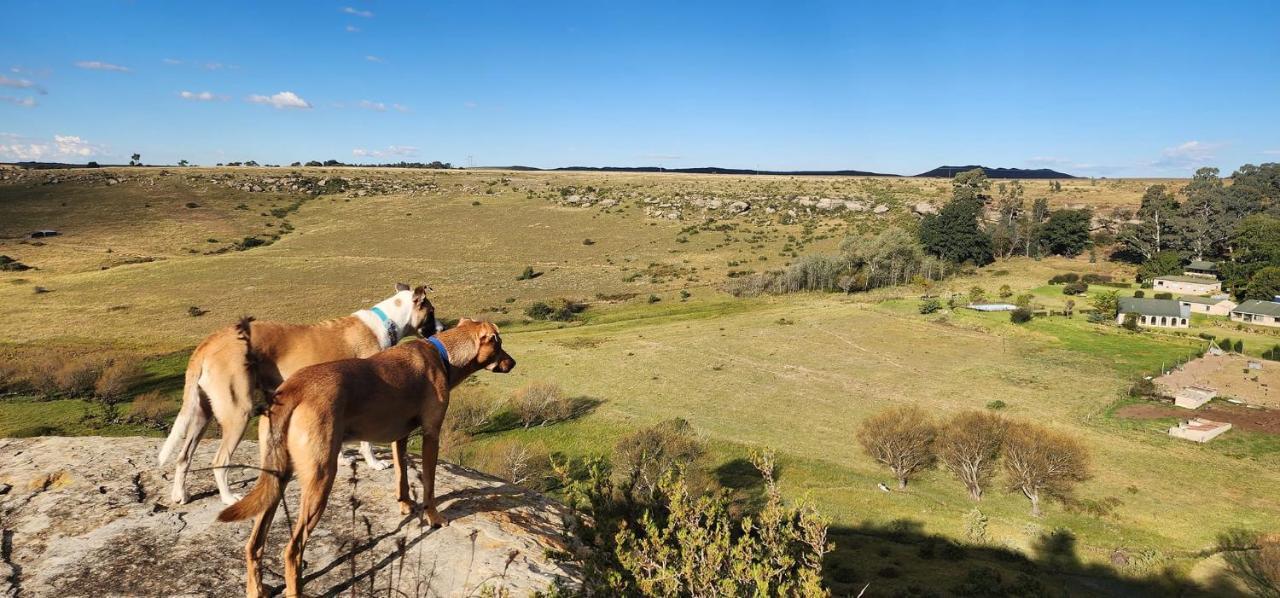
275, 467
190, 403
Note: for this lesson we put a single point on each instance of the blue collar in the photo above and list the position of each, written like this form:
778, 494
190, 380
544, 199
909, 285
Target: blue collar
393, 331
444, 353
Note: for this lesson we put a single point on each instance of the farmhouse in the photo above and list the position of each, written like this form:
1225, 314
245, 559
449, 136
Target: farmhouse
1199, 429
1162, 313
1217, 305
1201, 268
1253, 311
1195, 285
1192, 397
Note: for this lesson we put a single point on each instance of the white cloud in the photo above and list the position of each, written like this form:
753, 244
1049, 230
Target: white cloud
21, 84
1274, 152
400, 107
284, 99
95, 65
171, 61
27, 102
353, 29
372, 58
359, 13
59, 148
1188, 154
201, 96
470, 105
375, 106
392, 150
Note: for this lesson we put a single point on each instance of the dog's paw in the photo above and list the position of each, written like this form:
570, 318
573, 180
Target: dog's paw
379, 464
345, 460
231, 499
436, 519
407, 507
178, 496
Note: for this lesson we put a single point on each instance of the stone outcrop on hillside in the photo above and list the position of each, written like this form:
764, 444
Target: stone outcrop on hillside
91, 516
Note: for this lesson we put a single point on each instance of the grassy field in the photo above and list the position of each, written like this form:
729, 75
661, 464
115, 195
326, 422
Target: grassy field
797, 374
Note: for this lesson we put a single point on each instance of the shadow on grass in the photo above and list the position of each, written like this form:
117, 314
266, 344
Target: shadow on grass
901, 559
509, 419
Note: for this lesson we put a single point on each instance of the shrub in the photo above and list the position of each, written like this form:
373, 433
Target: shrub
654, 299
1254, 559
977, 295
996, 405
1064, 278
540, 403
643, 458
930, 305
1075, 288
1130, 322
1163, 296
1024, 300
528, 274
1096, 278
516, 462
1005, 291
77, 376
560, 310
152, 409
116, 379
1239, 346
1225, 344
1022, 315
1139, 294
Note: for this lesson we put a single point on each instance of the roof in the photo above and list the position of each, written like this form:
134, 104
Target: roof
1202, 300
1253, 306
1202, 265
1199, 424
1153, 307
1191, 279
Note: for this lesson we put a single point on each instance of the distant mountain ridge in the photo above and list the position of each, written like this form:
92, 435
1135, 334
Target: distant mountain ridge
700, 170
947, 172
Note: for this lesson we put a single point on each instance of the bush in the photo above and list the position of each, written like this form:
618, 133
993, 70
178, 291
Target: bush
77, 377
1021, 315
116, 379
643, 458
1075, 288
1163, 296
516, 462
560, 310
930, 305
1096, 278
152, 409
996, 405
541, 403
1139, 294
528, 274
1064, 278
1130, 322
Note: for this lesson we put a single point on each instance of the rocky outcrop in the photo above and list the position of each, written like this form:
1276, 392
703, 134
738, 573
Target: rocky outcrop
90, 516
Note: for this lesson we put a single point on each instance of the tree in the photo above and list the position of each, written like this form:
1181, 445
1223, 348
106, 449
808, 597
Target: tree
1157, 228
1265, 284
183, 163
1107, 303
642, 459
135, 160
977, 295
954, 234
901, 438
1066, 232
971, 184
1040, 462
1203, 214
1160, 264
1255, 245
969, 447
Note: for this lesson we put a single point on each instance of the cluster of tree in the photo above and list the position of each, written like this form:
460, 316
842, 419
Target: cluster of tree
1038, 462
891, 257
960, 233
1239, 225
435, 164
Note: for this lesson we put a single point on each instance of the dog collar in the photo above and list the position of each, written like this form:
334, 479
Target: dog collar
393, 331
444, 353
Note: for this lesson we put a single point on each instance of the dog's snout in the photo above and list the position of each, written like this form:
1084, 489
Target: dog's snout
506, 364
439, 326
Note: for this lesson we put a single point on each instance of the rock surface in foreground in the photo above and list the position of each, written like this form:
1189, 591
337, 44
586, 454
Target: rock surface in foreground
90, 516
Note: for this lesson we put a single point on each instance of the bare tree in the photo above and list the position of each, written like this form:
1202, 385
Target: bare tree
1040, 462
901, 438
969, 447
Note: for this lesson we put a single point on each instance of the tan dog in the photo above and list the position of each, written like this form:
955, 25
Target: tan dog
381, 399
225, 369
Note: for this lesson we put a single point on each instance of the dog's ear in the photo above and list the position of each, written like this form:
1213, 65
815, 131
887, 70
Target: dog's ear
400, 286
426, 287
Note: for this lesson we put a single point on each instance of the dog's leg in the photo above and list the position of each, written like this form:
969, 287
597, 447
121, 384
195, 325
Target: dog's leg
316, 480
195, 429
253, 551
375, 463
233, 412
400, 455
431, 420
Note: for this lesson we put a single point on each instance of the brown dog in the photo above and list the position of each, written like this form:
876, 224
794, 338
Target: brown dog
230, 363
380, 399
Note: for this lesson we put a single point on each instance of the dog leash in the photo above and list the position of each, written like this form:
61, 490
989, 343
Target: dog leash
444, 354
393, 331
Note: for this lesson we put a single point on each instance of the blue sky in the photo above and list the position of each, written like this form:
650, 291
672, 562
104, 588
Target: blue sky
1090, 88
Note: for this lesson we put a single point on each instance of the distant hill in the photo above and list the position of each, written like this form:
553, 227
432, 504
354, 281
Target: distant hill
947, 172
702, 170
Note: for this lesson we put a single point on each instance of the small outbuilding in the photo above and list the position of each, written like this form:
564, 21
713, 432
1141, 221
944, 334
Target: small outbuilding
1194, 285
1157, 313
1253, 311
42, 233
1192, 397
1201, 268
1198, 429
1217, 305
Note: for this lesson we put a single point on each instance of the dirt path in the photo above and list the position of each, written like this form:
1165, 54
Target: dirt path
1266, 421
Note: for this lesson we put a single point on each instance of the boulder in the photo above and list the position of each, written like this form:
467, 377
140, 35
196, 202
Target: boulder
739, 207
924, 207
91, 517
880, 209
